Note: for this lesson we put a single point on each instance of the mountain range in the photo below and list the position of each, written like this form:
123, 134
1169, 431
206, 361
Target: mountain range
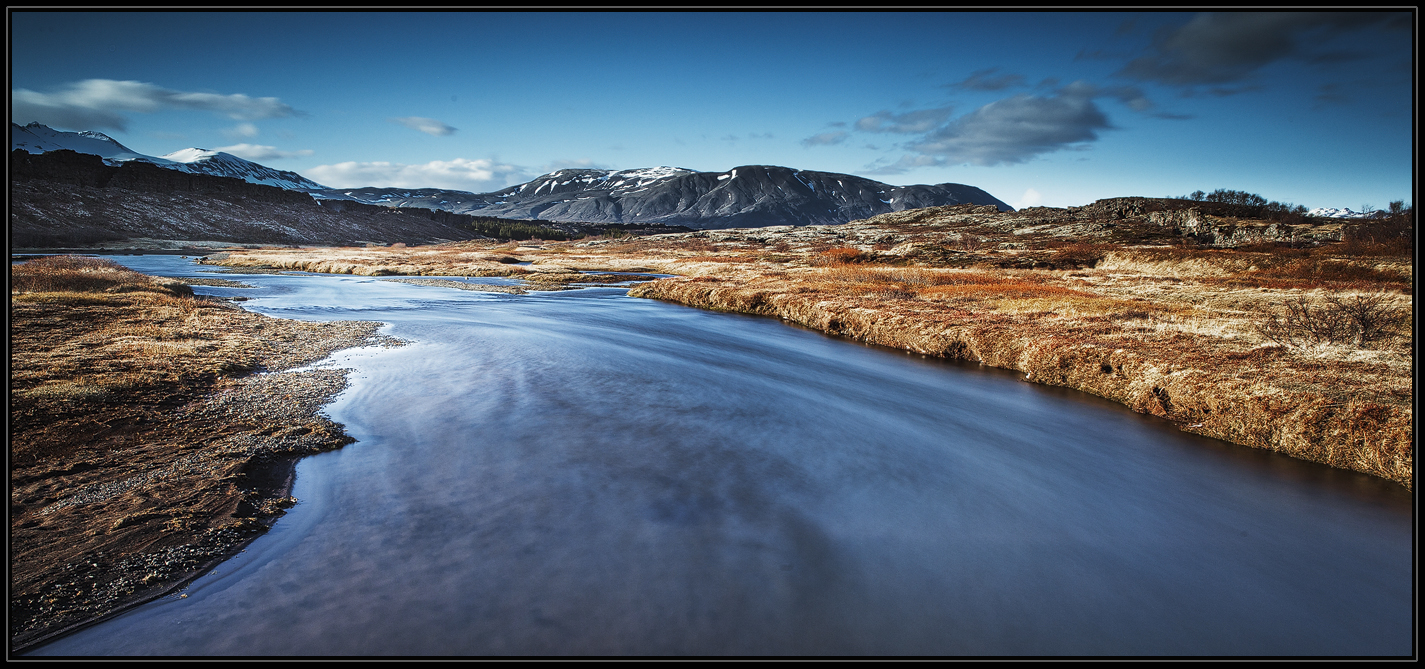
746, 196
1334, 212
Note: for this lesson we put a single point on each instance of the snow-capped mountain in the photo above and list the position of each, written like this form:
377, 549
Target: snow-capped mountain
39, 138
222, 164
1333, 212
746, 196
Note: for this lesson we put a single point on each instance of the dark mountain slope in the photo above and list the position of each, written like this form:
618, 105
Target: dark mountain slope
62, 198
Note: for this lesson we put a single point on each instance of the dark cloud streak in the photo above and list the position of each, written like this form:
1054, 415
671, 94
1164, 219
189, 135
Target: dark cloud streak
1016, 129
1220, 49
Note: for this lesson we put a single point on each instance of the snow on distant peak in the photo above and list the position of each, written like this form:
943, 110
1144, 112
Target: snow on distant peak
1333, 212
189, 155
652, 173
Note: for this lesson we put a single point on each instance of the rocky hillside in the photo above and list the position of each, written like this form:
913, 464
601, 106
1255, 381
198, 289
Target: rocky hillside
747, 196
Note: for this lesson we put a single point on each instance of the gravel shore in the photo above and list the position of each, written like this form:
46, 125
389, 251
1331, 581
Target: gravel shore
130, 497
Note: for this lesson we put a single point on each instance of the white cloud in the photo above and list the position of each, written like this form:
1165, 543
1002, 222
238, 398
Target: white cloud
1030, 198
476, 176
100, 103
428, 126
242, 130
259, 152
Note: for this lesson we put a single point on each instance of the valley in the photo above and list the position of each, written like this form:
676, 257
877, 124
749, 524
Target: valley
155, 432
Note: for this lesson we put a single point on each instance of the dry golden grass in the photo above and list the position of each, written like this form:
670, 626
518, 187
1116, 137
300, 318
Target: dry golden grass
85, 327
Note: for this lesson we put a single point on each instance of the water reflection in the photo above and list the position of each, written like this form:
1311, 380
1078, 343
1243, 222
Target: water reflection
586, 473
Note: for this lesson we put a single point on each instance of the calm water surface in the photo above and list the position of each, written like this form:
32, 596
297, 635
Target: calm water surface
587, 473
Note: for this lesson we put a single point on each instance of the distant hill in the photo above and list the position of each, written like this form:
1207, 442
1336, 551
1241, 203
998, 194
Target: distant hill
39, 138
747, 196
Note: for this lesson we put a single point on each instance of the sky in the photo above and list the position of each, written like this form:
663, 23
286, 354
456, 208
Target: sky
1036, 108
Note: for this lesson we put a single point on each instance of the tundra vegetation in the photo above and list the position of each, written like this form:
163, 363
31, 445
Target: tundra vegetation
1227, 317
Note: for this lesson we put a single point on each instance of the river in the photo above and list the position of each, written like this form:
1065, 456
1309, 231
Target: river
586, 473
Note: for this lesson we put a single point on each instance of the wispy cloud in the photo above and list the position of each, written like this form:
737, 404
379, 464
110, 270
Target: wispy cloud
1218, 49
826, 138
459, 174
987, 80
911, 122
101, 104
260, 152
905, 164
242, 130
428, 126
581, 164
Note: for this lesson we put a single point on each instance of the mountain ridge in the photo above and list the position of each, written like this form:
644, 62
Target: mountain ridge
744, 196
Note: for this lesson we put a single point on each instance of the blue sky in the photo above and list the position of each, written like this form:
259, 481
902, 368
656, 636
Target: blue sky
1042, 108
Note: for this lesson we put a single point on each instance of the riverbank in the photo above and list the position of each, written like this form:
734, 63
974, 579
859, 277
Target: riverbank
153, 434
1305, 350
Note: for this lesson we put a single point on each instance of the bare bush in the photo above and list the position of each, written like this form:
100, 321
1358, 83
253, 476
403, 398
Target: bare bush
1371, 315
1080, 254
1356, 319
841, 255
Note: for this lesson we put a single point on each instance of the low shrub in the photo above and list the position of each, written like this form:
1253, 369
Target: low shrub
1355, 319
841, 255
1338, 271
1081, 254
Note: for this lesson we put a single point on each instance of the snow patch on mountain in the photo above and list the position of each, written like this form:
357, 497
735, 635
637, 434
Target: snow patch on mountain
39, 138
